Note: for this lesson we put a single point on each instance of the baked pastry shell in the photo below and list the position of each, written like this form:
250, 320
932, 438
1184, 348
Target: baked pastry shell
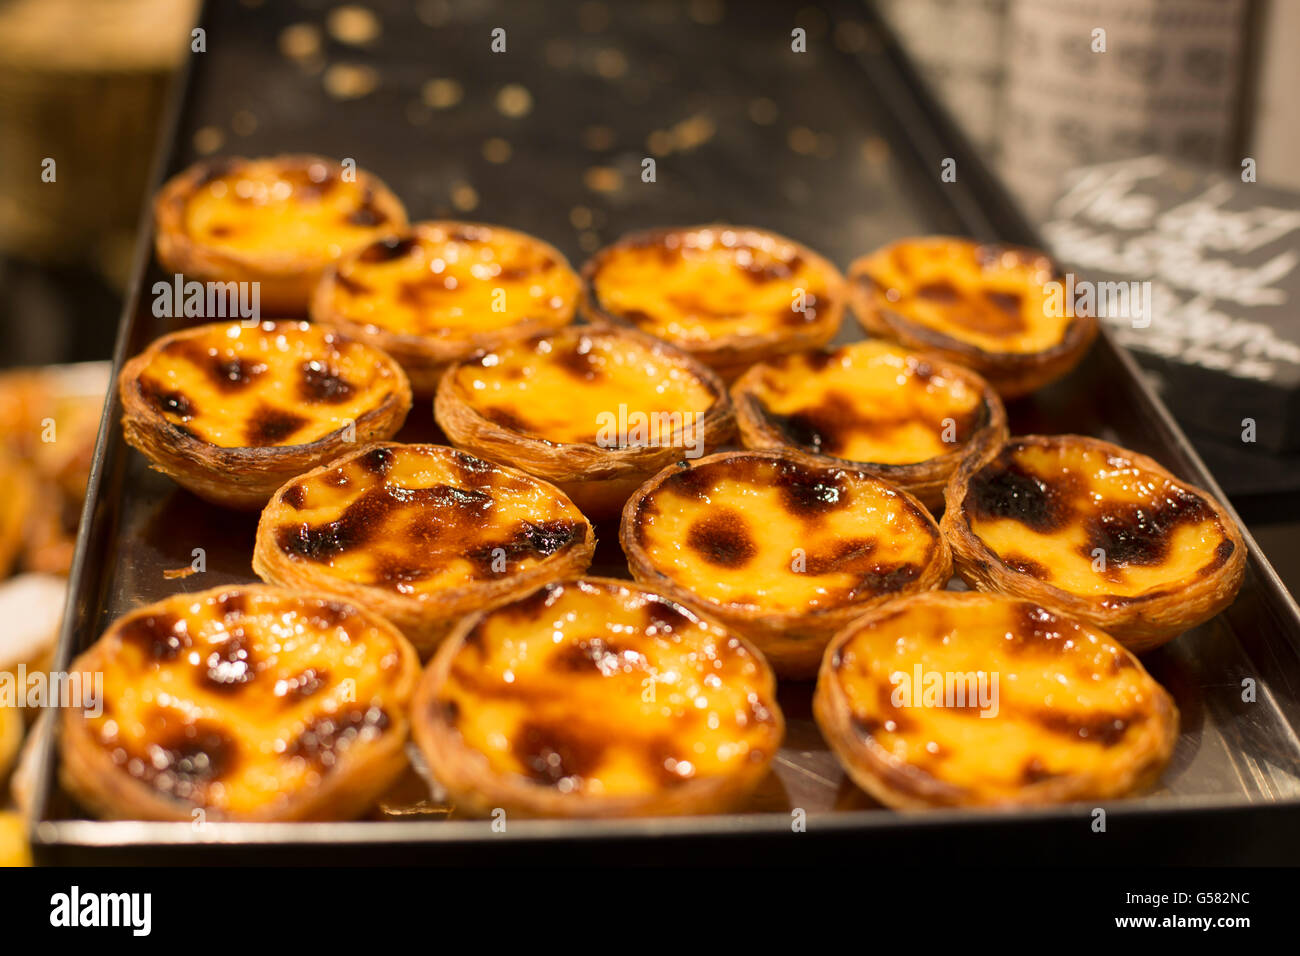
478, 789
791, 641
426, 619
904, 787
728, 355
1142, 622
598, 480
286, 281
923, 479
1013, 374
243, 478
88, 773
424, 357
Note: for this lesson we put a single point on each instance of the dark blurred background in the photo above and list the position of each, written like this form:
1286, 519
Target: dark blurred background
85, 82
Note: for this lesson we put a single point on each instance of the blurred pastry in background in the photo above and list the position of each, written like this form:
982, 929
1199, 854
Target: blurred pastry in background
277, 222
49, 421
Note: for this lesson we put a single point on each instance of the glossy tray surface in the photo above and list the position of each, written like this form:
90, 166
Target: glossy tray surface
838, 148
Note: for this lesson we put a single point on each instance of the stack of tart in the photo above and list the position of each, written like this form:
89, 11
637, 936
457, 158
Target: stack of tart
813, 551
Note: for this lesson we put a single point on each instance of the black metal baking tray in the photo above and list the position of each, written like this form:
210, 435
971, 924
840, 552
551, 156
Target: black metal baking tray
839, 147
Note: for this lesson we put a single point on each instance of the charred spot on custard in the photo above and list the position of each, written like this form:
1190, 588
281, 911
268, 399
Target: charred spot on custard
272, 426
551, 753
809, 494
387, 250
1018, 562
665, 617
1129, 533
597, 655
579, 362
302, 685
161, 637
1105, 730
295, 496
327, 738
723, 539
321, 383
1003, 488
232, 603
526, 609
377, 461
184, 760
168, 401
529, 539
230, 665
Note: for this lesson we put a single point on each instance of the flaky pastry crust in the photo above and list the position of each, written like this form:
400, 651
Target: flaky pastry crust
603, 361
501, 285
245, 703
824, 424
1146, 555
169, 388
805, 549
422, 534
987, 302
286, 276
632, 705
766, 272
1072, 715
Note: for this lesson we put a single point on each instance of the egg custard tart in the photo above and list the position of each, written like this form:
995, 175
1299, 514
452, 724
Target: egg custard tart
1000, 310
729, 295
232, 412
277, 222
247, 703
445, 290
596, 698
1100, 532
782, 549
903, 416
965, 699
423, 534
594, 409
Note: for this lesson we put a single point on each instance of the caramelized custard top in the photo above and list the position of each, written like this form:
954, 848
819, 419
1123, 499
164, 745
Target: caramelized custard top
1090, 522
870, 402
267, 207
232, 698
1040, 696
995, 298
699, 284
765, 533
569, 387
278, 383
602, 689
451, 279
421, 519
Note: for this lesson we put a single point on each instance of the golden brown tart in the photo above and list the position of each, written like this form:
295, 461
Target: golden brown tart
1097, 531
247, 703
966, 699
903, 416
232, 412
988, 307
780, 548
594, 409
444, 290
422, 534
594, 698
278, 221
729, 295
